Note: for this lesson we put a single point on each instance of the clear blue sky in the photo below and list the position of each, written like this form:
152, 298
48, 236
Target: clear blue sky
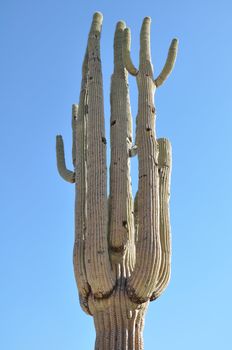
42, 47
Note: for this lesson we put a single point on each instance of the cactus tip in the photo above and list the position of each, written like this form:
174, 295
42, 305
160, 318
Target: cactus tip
98, 17
75, 107
175, 42
96, 22
147, 19
121, 25
127, 37
127, 31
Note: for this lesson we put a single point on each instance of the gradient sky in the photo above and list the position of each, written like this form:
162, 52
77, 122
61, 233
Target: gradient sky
42, 47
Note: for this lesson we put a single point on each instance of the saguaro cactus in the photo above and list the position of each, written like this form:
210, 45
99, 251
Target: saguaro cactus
122, 249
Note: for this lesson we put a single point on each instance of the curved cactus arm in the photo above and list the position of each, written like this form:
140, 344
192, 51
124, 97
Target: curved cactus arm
164, 164
66, 174
74, 131
98, 268
169, 64
126, 53
121, 228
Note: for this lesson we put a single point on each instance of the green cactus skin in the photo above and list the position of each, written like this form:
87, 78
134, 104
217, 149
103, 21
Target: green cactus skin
122, 249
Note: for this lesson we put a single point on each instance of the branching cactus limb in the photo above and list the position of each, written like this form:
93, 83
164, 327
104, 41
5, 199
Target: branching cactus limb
145, 60
140, 285
151, 246
169, 64
66, 174
122, 249
126, 53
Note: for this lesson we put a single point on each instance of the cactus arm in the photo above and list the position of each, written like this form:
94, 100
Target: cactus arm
121, 226
141, 283
74, 127
148, 250
164, 164
66, 174
80, 201
98, 268
169, 64
126, 53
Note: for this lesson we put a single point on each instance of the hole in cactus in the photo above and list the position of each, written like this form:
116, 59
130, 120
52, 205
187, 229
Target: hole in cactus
124, 223
104, 140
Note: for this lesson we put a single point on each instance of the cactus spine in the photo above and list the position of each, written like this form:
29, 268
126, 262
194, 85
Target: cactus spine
122, 249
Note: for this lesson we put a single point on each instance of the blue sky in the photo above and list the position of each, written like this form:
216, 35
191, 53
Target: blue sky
42, 44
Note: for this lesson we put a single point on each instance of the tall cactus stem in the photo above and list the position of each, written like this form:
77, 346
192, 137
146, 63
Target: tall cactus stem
141, 282
80, 201
97, 261
121, 229
140, 285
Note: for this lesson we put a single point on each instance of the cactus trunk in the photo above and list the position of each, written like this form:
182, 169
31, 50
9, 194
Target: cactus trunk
122, 248
115, 330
